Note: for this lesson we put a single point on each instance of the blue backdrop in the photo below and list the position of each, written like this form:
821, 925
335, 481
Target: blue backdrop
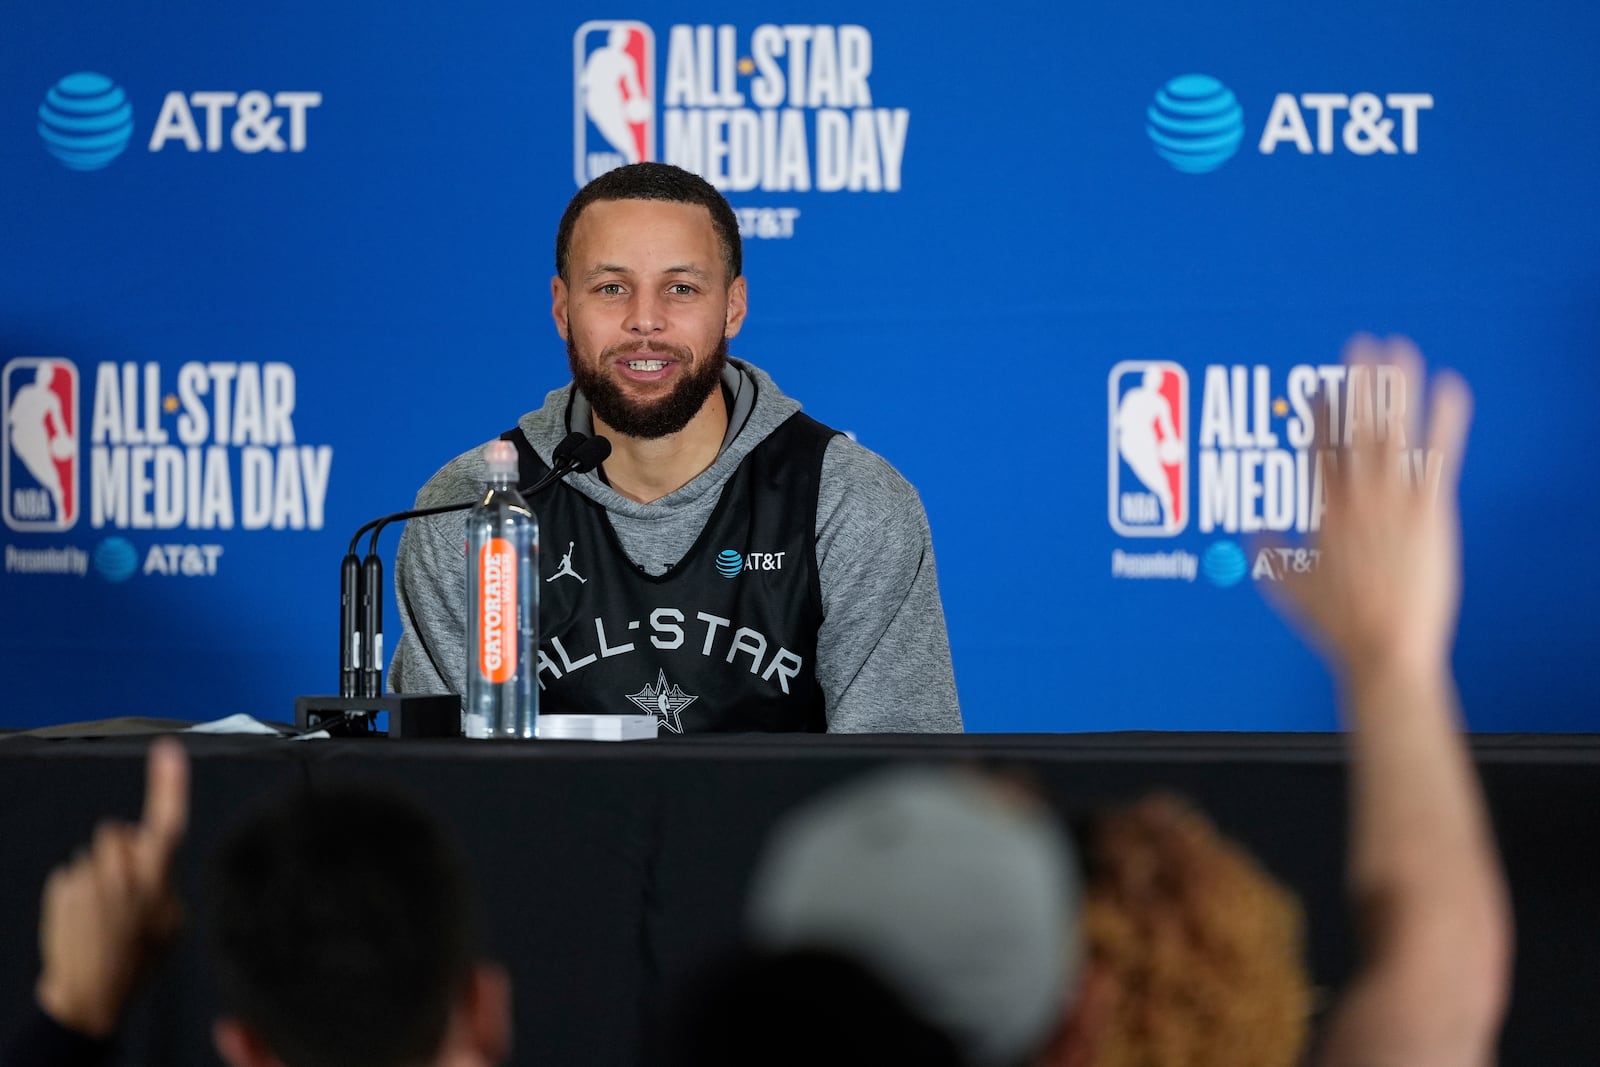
266, 268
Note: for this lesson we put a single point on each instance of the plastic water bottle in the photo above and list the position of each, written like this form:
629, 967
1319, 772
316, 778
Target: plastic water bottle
502, 698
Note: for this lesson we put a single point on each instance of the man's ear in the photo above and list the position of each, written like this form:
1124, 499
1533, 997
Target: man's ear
487, 1007
738, 304
1089, 1016
240, 1046
1078, 1037
558, 305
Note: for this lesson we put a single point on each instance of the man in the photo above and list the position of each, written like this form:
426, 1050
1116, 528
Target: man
733, 562
1176, 948
344, 930
338, 938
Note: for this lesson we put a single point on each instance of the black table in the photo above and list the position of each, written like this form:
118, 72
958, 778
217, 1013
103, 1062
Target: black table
608, 870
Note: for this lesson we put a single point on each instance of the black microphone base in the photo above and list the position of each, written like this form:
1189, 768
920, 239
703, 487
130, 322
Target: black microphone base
410, 715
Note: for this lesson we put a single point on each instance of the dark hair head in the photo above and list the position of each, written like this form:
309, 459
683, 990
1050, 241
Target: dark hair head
655, 181
794, 1008
343, 926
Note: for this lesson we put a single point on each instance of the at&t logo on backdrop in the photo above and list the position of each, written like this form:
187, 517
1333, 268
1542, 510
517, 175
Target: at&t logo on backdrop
1149, 462
41, 463
1224, 564
1196, 123
86, 120
115, 559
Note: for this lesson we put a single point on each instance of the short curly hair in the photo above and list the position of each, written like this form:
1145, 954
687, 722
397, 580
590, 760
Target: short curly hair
655, 181
1203, 947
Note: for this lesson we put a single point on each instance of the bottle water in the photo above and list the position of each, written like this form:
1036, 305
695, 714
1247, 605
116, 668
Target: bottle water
502, 698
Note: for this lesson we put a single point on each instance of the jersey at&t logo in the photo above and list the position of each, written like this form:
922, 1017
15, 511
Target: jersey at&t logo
614, 120
40, 473
731, 564
1149, 469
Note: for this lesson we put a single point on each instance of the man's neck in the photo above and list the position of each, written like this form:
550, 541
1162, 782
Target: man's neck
648, 469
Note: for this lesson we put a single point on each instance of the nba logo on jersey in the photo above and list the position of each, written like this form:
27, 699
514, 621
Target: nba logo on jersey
613, 96
39, 467
1149, 448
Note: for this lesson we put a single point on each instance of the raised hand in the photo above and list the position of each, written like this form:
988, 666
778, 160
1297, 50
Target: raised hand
107, 914
1422, 871
1387, 584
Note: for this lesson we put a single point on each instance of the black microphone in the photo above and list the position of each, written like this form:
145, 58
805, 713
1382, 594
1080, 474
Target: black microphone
361, 581
590, 454
349, 625
372, 623
585, 455
569, 444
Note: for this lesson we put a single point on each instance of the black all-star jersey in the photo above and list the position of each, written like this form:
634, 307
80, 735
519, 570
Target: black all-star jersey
724, 640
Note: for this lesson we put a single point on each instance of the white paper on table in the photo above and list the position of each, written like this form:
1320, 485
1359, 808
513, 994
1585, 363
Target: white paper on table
596, 727
233, 724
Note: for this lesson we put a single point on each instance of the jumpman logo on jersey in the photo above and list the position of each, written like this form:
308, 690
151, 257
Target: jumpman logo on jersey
566, 567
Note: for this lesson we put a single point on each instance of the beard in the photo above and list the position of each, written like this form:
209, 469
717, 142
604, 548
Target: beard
651, 419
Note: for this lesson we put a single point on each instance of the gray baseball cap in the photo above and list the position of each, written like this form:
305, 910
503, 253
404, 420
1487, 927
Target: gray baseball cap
961, 898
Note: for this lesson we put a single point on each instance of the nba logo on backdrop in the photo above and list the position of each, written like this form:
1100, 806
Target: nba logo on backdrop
613, 96
1149, 476
39, 468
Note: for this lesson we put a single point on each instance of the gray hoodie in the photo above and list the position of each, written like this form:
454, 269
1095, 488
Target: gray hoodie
883, 657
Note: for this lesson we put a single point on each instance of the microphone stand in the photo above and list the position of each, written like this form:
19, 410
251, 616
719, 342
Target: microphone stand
361, 698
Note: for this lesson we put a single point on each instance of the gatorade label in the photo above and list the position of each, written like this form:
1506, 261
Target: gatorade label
497, 614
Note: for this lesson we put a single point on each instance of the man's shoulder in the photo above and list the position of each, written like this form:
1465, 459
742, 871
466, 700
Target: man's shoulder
862, 501
456, 480
852, 470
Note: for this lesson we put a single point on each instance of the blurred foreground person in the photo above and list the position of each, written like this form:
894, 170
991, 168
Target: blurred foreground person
343, 929
344, 933
963, 895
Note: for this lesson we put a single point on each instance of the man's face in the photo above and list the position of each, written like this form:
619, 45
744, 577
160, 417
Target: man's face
646, 311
